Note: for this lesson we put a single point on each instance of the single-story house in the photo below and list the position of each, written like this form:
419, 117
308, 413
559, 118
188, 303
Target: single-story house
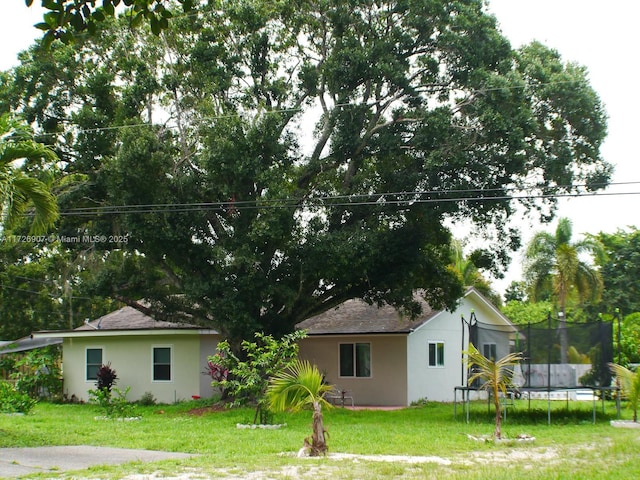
165, 359
380, 358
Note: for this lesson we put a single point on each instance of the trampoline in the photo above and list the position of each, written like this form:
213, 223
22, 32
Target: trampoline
561, 359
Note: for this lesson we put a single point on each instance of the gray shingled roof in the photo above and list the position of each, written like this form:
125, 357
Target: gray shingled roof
358, 317
128, 318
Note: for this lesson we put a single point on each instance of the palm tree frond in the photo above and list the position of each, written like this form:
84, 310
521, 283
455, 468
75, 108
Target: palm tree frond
297, 387
629, 384
25, 191
492, 373
18, 191
26, 150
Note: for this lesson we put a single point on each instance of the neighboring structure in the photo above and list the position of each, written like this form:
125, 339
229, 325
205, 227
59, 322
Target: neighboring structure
382, 359
164, 358
26, 344
22, 346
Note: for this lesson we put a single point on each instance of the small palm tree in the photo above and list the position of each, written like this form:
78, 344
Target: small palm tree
300, 386
629, 384
18, 191
495, 377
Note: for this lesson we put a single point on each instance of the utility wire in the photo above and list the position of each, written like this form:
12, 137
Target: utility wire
373, 199
41, 293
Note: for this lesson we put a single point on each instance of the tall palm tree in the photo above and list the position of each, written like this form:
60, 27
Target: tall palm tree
554, 266
495, 376
300, 386
18, 191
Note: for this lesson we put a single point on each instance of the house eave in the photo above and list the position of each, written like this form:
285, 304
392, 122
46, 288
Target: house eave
123, 332
358, 334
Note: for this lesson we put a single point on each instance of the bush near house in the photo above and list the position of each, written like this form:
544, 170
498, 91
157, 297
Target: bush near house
37, 373
246, 375
13, 400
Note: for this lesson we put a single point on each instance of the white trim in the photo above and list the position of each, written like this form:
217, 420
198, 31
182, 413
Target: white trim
491, 306
102, 362
478, 297
122, 333
171, 364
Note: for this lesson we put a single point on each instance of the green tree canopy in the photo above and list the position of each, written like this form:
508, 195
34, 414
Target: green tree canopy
629, 339
66, 19
269, 160
621, 271
521, 313
468, 269
45, 288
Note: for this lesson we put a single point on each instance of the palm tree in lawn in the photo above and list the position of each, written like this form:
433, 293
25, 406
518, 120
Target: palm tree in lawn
302, 385
554, 266
629, 383
18, 191
495, 376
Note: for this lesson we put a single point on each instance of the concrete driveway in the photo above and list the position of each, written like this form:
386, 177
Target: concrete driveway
16, 462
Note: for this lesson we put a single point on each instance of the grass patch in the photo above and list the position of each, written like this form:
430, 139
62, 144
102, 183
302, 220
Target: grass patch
572, 446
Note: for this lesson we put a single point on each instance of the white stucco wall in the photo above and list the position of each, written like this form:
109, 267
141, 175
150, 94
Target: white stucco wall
131, 358
435, 383
438, 383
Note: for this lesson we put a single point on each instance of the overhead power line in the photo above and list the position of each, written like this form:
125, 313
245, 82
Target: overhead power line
373, 199
42, 293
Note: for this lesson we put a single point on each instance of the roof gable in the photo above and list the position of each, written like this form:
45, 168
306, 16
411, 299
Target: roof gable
358, 317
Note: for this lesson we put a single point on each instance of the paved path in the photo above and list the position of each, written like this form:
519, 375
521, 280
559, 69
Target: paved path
15, 462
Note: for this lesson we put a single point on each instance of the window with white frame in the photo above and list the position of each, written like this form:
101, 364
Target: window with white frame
355, 359
93, 362
161, 364
436, 354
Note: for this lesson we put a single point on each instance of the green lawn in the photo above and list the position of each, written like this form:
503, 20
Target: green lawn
572, 447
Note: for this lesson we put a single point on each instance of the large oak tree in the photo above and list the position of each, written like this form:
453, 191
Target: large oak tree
269, 160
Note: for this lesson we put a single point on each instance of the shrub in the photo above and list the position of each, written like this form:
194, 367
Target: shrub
37, 373
112, 400
114, 403
147, 399
246, 381
106, 377
14, 401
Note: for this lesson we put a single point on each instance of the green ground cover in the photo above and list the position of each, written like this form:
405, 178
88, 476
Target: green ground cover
426, 441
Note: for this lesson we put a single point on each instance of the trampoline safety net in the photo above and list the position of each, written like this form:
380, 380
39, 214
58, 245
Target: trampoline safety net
556, 354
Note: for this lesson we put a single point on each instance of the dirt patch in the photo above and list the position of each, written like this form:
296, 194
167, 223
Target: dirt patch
215, 408
529, 457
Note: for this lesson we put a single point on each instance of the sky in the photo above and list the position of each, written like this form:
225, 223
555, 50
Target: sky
602, 36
